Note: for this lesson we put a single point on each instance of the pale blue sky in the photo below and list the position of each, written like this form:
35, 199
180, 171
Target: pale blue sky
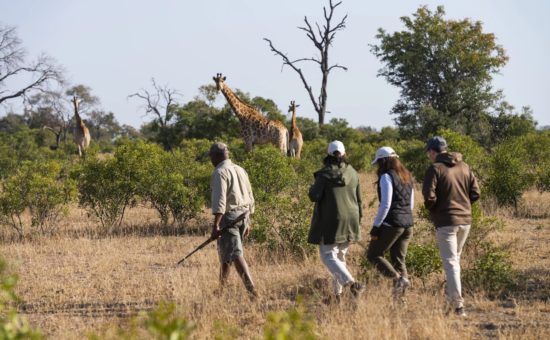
116, 46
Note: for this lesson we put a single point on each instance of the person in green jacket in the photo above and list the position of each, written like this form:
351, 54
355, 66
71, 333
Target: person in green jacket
336, 216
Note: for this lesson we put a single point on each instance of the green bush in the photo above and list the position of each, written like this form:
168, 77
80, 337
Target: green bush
423, 260
43, 188
291, 324
12, 326
283, 212
175, 184
509, 176
491, 272
107, 187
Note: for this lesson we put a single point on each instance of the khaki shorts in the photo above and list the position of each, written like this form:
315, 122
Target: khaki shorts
230, 245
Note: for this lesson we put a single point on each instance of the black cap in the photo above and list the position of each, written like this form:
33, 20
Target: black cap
437, 143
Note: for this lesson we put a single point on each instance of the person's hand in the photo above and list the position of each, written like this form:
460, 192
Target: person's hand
375, 233
216, 232
246, 232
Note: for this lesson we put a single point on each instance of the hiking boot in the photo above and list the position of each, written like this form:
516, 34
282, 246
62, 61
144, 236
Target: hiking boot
357, 289
400, 286
459, 311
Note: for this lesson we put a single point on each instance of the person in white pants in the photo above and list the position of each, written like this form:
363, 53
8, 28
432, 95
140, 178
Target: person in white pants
449, 189
336, 216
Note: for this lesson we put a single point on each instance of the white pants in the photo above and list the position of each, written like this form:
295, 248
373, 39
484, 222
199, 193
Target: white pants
334, 258
450, 240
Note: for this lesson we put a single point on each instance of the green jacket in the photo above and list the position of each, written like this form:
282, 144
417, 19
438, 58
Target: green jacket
337, 212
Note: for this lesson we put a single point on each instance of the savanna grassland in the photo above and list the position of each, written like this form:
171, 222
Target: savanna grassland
78, 282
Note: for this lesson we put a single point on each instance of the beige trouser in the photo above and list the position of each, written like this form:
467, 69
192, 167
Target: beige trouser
450, 240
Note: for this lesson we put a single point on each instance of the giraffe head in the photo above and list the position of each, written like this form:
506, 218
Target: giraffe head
292, 106
76, 103
219, 80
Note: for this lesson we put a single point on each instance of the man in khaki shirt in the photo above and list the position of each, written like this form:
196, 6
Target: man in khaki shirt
231, 197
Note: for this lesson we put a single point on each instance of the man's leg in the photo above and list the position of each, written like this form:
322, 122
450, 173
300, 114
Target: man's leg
448, 249
244, 273
224, 273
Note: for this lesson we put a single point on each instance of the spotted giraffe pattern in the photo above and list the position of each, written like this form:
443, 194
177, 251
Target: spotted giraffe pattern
296, 140
255, 128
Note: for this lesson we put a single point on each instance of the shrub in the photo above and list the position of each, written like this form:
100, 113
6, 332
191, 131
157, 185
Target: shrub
291, 324
40, 186
518, 164
175, 185
491, 271
12, 326
283, 212
107, 187
423, 260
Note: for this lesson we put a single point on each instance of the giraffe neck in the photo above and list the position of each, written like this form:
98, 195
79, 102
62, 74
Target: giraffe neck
294, 119
243, 111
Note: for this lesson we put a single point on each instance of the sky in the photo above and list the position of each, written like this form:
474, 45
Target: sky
115, 47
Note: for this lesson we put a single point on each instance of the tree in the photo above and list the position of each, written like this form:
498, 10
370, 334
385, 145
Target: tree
507, 124
322, 39
35, 76
444, 69
48, 110
161, 103
103, 125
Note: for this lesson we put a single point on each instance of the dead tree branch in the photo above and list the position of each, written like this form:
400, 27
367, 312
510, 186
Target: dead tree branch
322, 38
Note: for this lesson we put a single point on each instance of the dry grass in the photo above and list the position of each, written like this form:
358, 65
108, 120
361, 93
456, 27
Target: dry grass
79, 282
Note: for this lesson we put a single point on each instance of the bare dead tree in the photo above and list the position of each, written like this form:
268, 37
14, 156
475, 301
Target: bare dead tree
160, 102
42, 71
322, 38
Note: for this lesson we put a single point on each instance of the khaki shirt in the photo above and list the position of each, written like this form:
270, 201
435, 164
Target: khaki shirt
231, 189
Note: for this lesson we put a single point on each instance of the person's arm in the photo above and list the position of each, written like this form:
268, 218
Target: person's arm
428, 188
359, 201
317, 189
386, 194
474, 188
216, 230
412, 199
219, 193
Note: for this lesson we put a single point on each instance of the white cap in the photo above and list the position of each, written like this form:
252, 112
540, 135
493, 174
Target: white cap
384, 152
336, 146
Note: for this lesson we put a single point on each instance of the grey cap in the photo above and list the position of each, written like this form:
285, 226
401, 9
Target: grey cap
436, 143
218, 149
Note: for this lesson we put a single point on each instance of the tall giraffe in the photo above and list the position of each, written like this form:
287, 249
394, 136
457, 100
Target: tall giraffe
255, 128
82, 136
296, 140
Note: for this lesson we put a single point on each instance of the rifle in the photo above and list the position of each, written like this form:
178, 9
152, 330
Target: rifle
210, 239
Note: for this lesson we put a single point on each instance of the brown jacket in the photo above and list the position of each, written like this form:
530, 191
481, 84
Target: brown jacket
449, 189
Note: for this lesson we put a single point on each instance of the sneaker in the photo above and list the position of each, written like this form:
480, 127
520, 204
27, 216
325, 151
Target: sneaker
357, 289
460, 312
400, 286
